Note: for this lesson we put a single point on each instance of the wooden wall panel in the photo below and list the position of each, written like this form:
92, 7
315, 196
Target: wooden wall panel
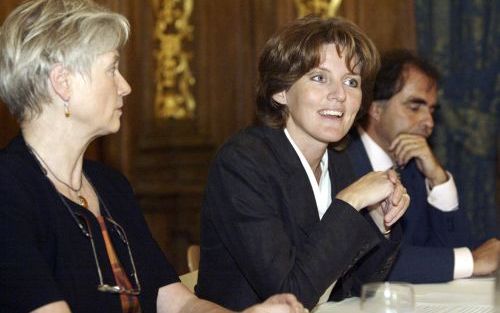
389, 23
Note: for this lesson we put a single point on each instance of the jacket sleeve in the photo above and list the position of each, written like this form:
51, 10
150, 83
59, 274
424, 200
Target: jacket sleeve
416, 264
449, 229
26, 280
432, 260
426, 254
375, 266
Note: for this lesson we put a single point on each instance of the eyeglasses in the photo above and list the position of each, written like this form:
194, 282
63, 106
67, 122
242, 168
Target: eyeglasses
87, 232
121, 233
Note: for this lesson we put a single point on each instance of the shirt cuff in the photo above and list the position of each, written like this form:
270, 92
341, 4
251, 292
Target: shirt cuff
464, 263
443, 197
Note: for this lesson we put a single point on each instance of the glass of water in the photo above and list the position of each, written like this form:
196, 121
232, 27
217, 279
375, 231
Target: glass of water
387, 297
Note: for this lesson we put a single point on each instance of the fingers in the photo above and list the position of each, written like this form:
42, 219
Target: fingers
406, 146
374, 189
486, 257
406, 153
404, 139
284, 303
393, 176
368, 190
397, 194
395, 212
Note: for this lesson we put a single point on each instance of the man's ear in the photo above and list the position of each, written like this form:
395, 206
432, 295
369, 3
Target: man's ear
280, 97
59, 78
376, 109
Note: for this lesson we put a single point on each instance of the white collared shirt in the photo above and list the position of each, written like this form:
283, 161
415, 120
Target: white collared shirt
443, 197
322, 193
323, 189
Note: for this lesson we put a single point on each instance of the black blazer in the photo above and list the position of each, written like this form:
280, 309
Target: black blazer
261, 233
429, 235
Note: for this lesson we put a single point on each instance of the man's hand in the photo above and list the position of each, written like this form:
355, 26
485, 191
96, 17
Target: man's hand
282, 303
407, 146
486, 257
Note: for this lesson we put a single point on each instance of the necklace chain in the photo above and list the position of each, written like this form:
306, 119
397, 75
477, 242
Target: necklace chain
46, 166
87, 231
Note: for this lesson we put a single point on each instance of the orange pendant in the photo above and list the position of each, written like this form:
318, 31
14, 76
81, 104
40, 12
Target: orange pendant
83, 202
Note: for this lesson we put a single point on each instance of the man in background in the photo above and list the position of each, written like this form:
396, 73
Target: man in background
436, 241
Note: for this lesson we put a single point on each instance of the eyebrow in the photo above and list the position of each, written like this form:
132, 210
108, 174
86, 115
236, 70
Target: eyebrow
422, 102
416, 100
327, 70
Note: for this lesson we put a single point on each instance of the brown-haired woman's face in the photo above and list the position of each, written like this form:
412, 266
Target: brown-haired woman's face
323, 103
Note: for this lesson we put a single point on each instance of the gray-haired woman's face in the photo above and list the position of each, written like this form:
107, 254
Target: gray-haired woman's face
97, 101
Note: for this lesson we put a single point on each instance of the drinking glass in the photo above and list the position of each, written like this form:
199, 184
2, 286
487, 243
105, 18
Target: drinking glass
387, 298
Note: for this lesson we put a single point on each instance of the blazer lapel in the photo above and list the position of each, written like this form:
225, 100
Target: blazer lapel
340, 169
360, 162
300, 199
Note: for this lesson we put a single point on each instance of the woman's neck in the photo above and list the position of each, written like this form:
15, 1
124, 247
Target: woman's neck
59, 149
312, 150
313, 157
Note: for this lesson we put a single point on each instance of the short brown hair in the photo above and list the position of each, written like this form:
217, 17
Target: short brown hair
296, 49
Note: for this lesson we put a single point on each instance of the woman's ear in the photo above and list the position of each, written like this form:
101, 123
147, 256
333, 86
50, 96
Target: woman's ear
59, 79
280, 97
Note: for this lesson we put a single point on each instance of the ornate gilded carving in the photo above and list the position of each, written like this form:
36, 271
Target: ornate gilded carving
173, 77
324, 8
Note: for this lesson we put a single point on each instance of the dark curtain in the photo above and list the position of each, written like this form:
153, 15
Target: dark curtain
461, 37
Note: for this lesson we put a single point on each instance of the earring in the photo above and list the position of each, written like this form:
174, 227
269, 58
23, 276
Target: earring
67, 113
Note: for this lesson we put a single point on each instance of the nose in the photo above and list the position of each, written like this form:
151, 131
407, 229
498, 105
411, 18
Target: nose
428, 121
337, 92
123, 86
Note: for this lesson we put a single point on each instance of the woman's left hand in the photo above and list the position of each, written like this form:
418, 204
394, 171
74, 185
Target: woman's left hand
394, 206
281, 303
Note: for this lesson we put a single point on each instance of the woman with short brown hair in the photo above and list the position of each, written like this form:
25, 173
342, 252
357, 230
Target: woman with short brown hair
279, 214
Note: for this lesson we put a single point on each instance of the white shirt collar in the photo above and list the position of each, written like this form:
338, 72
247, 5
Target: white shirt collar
444, 197
323, 190
379, 159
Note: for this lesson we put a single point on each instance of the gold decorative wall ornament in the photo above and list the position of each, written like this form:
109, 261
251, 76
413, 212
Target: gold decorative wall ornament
173, 77
323, 8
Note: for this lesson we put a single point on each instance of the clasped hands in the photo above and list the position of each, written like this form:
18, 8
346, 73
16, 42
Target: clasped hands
380, 191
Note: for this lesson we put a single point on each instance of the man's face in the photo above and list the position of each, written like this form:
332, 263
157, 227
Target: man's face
410, 110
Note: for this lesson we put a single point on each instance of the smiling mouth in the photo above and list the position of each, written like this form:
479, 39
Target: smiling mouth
331, 113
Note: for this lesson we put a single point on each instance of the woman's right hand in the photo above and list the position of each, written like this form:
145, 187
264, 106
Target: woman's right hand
378, 189
280, 303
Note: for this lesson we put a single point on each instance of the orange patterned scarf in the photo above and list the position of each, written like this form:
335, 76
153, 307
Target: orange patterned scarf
130, 303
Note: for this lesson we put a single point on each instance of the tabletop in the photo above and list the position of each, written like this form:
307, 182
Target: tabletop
462, 295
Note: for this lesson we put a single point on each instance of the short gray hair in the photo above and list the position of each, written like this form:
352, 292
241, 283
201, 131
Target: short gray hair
41, 33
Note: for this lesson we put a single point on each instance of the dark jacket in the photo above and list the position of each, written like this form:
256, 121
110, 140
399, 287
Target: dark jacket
429, 235
261, 233
46, 257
